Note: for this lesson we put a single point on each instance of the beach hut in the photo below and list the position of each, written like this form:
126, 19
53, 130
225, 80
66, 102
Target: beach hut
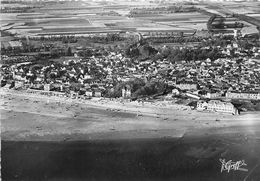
97, 93
89, 93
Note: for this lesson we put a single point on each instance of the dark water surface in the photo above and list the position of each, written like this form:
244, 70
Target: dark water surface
151, 159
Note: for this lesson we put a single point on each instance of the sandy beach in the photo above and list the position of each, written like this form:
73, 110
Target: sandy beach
27, 117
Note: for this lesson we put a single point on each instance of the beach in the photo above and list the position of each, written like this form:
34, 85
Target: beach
26, 117
44, 138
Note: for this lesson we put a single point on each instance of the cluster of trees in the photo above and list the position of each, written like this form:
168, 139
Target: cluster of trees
15, 9
92, 52
140, 50
161, 10
247, 105
110, 37
9, 50
187, 54
150, 89
24, 48
245, 44
58, 52
42, 50
139, 88
145, 51
68, 38
223, 42
171, 39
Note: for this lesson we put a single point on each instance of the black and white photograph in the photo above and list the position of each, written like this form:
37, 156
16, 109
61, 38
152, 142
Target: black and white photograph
130, 90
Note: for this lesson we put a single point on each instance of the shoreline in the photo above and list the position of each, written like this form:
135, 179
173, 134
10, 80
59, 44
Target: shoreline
163, 158
25, 117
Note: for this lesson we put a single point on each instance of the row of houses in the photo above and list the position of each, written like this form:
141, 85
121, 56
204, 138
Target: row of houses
46, 93
72, 94
87, 93
243, 95
193, 87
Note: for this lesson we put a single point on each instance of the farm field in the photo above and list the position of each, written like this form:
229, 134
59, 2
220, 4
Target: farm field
245, 8
255, 15
95, 17
82, 17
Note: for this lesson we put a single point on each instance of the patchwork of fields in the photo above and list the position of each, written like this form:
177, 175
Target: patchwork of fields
87, 17
79, 17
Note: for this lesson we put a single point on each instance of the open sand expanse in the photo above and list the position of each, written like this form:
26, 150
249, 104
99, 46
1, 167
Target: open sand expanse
25, 117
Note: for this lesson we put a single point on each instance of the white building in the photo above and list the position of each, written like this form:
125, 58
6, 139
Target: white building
217, 106
211, 95
243, 95
47, 87
126, 92
89, 93
187, 86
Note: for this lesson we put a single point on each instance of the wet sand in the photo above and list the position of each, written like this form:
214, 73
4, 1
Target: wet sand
187, 158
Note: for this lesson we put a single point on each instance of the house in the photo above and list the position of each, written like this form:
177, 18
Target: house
97, 93
212, 95
89, 93
243, 95
126, 92
187, 86
217, 106
202, 105
47, 87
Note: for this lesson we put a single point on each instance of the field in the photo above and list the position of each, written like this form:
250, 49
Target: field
81, 17
104, 17
245, 8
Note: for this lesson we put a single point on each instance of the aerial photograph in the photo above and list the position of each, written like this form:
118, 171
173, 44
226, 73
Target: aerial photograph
126, 90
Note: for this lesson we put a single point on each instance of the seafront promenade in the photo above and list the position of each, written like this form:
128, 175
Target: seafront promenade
105, 103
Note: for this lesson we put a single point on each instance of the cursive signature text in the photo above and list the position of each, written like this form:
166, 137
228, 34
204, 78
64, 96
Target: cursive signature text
232, 165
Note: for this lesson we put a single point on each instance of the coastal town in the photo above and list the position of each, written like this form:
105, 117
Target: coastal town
130, 90
232, 73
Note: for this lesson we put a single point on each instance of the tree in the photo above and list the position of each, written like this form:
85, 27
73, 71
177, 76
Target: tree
68, 52
54, 53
